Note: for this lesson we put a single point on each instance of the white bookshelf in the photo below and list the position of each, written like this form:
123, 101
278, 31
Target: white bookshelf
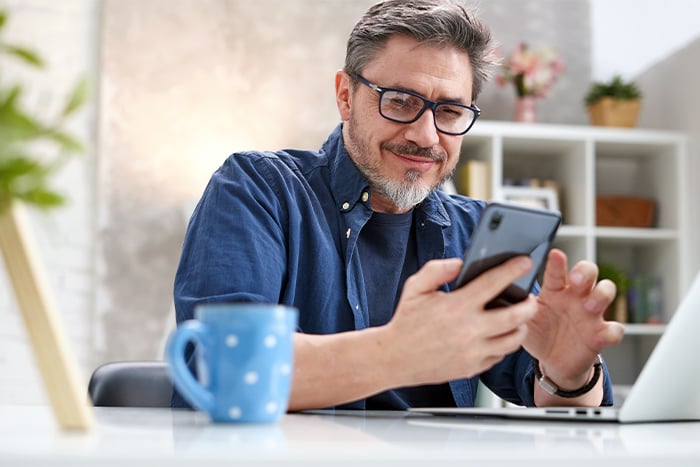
587, 161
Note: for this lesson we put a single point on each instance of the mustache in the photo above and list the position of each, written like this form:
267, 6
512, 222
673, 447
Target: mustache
412, 149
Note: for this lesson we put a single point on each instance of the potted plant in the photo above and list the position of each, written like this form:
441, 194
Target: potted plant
32, 147
614, 103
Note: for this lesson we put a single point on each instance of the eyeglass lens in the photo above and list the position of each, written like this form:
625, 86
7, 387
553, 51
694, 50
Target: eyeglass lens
405, 108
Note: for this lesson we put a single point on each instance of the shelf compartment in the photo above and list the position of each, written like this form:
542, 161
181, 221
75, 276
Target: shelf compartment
627, 359
642, 170
656, 259
560, 160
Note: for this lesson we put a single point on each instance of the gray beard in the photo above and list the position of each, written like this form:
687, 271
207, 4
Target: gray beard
405, 193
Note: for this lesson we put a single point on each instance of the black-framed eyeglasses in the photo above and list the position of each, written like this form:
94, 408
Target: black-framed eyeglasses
401, 106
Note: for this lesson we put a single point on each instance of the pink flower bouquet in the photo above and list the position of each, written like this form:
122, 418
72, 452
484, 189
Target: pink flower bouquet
532, 72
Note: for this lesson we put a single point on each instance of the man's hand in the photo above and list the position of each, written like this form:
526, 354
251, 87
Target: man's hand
569, 329
443, 336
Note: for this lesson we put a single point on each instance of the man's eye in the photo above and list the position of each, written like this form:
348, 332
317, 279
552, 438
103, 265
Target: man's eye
402, 102
450, 112
405, 102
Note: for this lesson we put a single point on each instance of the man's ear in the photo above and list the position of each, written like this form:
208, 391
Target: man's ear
343, 94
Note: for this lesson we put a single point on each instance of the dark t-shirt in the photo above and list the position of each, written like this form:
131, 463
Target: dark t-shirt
386, 242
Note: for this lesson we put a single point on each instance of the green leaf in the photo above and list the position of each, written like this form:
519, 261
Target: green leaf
28, 56
42, 197
16, 126
67, 142
3, 19
10, 100
14, 167
78, 97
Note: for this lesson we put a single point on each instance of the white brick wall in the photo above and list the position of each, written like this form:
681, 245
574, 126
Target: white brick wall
65, 34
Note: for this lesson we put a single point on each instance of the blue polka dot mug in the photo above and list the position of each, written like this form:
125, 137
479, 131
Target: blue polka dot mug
244, 358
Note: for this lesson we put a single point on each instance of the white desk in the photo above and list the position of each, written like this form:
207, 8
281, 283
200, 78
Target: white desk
152, 437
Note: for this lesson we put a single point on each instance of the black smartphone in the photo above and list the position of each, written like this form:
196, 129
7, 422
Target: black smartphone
503, 232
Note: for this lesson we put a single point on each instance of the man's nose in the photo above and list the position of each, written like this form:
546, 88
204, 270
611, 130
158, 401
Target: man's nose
422, 132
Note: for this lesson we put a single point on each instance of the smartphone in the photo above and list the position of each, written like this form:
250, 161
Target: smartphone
503, 232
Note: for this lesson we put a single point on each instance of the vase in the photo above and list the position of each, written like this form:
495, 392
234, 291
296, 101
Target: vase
614, 112
525, 110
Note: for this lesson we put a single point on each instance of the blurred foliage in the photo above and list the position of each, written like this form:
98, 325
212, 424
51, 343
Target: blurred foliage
617, 88
615, 274
24, 171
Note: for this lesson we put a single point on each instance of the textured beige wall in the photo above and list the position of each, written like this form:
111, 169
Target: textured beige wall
186, 82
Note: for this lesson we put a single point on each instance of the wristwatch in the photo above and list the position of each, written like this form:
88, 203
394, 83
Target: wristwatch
551, 388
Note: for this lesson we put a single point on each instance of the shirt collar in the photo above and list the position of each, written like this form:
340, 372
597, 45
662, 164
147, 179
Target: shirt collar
348, 184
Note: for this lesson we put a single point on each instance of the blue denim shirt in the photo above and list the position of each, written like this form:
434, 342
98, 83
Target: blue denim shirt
282, 227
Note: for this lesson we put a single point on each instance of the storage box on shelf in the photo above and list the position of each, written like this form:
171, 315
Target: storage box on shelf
588, 164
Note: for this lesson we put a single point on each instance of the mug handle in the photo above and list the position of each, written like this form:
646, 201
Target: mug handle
189, 387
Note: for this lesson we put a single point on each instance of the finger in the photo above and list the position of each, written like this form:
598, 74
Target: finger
493, 281
600, 297
506, 320
612, 334
555, 272
583, 277
432, 275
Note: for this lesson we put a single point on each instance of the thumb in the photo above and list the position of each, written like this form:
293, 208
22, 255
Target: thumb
432, 275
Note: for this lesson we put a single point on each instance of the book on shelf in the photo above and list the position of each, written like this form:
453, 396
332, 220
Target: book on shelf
639, 299
473, 179
541, 193
618, 310
645, 297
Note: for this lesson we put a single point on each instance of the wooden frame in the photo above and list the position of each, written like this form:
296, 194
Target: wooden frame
56, 364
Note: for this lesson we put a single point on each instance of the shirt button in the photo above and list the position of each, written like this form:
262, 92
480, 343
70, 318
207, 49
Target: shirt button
346, 206
365, 197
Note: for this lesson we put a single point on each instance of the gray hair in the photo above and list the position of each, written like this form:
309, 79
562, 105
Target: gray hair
437, 22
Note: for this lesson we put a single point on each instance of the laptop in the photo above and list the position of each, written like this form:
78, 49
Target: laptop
667, 389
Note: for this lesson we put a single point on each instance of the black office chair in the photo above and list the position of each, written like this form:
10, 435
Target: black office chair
131, 384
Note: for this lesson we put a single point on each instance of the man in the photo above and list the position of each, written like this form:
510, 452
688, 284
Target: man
360, 240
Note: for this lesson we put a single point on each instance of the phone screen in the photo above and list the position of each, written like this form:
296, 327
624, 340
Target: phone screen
503, 232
